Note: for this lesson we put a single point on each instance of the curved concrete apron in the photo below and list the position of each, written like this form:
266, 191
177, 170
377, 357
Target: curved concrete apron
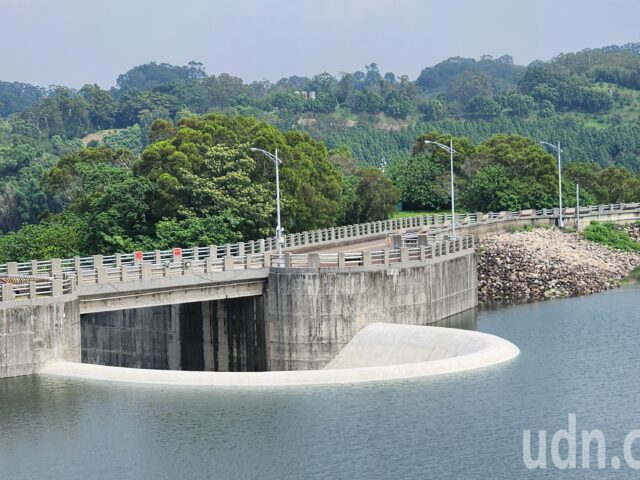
377, 353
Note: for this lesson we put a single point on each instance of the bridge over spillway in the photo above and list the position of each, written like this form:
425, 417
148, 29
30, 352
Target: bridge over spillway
243, 307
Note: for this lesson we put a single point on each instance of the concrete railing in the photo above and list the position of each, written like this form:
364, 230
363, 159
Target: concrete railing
290, 241
25, 288
31, 288
253, 254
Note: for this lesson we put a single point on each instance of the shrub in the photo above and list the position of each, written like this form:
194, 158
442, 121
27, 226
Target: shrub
610, 234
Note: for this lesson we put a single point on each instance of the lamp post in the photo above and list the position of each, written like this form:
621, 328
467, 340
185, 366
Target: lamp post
558, 150
577, 207
277, 162
451, 151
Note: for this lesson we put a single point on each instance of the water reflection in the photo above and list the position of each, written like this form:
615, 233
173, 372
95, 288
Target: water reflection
467, 320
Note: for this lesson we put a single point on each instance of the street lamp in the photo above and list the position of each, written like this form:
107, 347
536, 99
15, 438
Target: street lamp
453, 198
558, 150
277, 162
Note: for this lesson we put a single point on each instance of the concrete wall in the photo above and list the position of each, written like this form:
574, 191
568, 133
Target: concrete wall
36, 332
221, 335
312, 313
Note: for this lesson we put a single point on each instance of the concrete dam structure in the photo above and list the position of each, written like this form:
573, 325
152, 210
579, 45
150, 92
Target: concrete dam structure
307, 307
241, 307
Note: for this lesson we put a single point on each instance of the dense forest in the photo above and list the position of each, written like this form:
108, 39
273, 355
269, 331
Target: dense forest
163, 157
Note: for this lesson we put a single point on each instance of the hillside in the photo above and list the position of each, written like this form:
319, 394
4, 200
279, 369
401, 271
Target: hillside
590, 100
77, 167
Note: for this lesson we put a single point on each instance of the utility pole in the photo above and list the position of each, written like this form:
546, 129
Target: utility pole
578, 207
451, 151
558, 150
277, 162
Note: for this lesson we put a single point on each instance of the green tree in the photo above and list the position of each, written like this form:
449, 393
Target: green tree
55, 238
151, 75
101, 105
206, 169
470, 84
492, 190
398, 105
193, 230
423, 181
375, 196
483, 106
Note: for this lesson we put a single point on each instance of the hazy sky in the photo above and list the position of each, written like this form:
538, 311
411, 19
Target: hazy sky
72, 42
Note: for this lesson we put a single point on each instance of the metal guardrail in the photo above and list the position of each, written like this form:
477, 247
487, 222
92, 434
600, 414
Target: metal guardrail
252, 254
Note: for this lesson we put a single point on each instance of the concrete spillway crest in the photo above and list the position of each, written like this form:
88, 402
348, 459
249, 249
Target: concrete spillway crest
379, 352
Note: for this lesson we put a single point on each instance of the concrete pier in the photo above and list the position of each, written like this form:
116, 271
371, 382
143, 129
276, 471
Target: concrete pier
313, 313
36, 332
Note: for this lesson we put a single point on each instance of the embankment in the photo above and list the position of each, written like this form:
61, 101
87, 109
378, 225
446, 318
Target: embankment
547, 263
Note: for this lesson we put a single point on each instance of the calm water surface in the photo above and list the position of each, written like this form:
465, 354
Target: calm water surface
578, 355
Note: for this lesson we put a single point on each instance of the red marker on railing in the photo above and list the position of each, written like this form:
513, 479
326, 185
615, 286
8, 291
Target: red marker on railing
137, 257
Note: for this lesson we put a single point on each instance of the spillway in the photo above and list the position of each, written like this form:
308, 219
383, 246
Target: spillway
379, 352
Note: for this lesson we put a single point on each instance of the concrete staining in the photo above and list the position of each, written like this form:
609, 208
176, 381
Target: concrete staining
37, 332
211, 336
379, 352
311, 314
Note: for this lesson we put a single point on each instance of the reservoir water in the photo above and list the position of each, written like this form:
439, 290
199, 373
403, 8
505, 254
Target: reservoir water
578, 356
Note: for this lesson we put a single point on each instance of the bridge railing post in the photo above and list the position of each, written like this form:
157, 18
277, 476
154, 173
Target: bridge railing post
72, 284
341, 260
241, 248
32, 290
287, 260
208, 264
404, 254
12, 268
314, 260
145, 271
97, 261
187, 267
101, 274
386, 256
228, 263
56, 287
7, 292
367, 259
266, 259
